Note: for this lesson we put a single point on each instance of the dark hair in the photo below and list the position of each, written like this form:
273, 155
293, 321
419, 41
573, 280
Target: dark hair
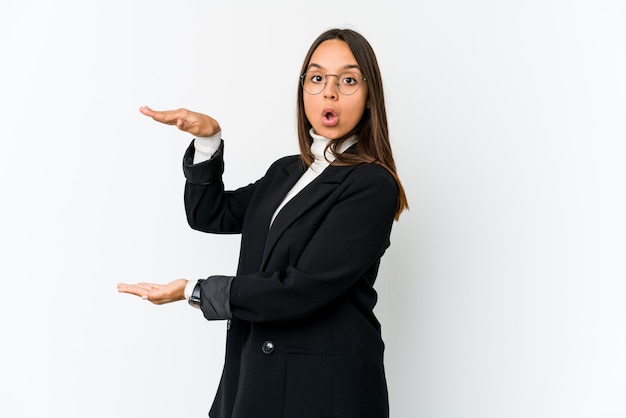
372, 131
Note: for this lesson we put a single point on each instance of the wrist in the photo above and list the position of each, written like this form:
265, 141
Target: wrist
189, 288
211, 128
194, 298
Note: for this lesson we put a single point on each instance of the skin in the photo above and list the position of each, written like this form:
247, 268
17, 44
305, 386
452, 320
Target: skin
333, 57
330, 57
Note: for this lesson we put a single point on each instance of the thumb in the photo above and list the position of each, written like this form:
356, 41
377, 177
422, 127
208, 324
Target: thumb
146, 110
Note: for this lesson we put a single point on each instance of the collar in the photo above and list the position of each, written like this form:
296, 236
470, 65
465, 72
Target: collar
319, 145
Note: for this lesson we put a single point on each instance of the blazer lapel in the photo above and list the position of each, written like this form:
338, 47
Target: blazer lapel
281, 184
316, 191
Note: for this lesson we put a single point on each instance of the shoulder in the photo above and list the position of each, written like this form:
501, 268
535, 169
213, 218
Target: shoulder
372, 185
285, 163
374, 175
289, 159
373, 170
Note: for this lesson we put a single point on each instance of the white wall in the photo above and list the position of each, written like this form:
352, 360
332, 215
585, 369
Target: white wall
503, 292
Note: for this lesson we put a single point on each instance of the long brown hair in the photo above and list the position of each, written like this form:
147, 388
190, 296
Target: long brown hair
372, 131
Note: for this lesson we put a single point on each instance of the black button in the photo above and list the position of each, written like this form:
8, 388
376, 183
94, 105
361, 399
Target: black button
228, 325
268, 347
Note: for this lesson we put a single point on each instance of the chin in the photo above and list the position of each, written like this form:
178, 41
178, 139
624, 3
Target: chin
329, 133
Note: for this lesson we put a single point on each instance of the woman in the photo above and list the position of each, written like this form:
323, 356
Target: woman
302, 339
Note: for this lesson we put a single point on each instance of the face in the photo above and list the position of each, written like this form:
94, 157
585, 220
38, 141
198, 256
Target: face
331, 113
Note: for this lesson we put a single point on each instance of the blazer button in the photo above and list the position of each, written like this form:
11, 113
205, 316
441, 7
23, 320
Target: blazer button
268, 347
228, 325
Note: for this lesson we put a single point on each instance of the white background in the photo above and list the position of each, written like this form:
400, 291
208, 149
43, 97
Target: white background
503, 294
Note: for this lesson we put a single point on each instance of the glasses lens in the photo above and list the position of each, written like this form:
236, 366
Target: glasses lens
348, 83
313, 82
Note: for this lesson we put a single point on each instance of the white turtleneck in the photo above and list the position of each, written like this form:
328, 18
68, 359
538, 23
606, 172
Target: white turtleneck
205, 147
315, 169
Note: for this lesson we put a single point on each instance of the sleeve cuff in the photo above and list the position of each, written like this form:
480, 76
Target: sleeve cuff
206, 172
215, 297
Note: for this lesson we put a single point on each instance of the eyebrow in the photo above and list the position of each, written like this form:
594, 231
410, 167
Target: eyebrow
345, 67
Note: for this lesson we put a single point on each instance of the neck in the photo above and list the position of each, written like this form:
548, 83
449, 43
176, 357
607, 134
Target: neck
320, 143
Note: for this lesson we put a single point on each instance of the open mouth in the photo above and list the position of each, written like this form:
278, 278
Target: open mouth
329, 117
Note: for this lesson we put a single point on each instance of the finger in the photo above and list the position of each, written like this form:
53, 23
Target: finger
146, 110
168, 117
123, 287
171, 117
144, 289
131, 289
158, 297
139, 288
150, 285
164, 116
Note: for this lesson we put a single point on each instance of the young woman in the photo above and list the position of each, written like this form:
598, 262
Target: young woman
302, 338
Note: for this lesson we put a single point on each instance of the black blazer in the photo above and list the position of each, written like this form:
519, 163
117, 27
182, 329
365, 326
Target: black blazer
303, 341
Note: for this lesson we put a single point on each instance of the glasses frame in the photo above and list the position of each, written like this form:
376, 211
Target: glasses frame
324, 84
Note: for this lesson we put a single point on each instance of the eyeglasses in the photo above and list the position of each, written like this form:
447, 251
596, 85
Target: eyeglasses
347, 82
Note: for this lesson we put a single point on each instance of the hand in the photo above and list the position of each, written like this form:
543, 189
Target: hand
158, 294
195, 123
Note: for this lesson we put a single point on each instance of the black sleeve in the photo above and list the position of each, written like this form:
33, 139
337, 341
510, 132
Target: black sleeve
215, 297
208, 206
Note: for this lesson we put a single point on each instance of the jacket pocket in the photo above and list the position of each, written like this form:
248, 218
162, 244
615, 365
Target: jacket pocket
315, 384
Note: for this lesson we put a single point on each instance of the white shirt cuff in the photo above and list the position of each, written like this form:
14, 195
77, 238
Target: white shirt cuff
189, 288
205, 147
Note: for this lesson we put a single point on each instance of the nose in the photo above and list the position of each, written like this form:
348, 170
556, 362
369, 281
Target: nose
331, 87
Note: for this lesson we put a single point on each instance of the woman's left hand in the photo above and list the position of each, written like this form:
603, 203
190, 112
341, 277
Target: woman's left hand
158, 294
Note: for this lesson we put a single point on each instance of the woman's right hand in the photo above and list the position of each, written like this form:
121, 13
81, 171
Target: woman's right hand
197, 124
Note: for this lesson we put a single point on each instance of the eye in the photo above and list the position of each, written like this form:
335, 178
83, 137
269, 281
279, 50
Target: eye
316, 78
350, 79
